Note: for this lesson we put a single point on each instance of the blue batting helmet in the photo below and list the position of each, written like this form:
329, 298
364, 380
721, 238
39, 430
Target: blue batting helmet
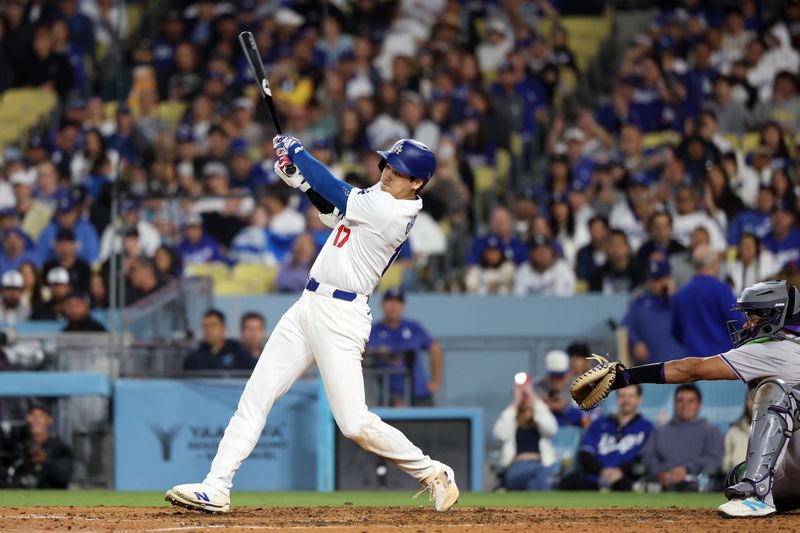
412, 158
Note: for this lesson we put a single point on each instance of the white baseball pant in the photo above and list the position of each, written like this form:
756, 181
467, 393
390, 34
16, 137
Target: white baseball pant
333, 333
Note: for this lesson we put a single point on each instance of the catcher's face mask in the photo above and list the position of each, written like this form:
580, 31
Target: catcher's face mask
764, 306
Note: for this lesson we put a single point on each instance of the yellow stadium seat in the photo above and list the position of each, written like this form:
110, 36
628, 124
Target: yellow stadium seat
734, 139
171, 112
230, 287
392, 278
581, 286
660, 138
516, 144
216, 271
569, 80
485, 178
749, 142
258, 278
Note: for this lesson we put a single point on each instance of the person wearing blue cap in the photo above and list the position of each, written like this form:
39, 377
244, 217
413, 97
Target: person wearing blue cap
398, 342
784, 239
649, 317
68, 216
14, 253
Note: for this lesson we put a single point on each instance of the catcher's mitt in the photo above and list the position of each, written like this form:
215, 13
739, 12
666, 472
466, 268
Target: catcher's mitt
592, 387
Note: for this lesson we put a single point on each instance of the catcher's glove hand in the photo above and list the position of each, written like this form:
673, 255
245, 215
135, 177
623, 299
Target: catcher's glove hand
592, 387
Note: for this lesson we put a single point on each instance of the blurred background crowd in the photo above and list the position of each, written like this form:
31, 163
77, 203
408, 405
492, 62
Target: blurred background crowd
542, 187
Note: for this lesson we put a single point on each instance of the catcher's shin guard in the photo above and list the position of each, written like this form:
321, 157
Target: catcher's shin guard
773, 423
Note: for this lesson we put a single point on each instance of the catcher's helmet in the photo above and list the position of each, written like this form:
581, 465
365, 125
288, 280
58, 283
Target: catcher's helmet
773, 302
411, 158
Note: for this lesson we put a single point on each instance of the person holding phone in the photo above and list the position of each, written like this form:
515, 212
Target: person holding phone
525, 428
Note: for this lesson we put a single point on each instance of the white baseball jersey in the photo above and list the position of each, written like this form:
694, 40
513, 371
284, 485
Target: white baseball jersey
367, 240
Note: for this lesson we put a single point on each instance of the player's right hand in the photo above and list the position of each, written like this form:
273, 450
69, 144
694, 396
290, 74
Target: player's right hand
282, 165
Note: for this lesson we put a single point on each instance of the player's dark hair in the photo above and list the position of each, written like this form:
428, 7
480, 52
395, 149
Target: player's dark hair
252, 315
638, 388
215, 313
690, 387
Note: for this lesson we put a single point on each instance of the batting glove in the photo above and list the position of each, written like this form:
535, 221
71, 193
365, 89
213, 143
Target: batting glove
290, 144
292, 179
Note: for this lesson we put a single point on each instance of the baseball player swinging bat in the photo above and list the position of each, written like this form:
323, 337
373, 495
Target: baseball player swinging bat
766, 356
331, 322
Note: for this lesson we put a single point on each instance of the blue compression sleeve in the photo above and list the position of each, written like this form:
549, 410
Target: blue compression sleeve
321, 179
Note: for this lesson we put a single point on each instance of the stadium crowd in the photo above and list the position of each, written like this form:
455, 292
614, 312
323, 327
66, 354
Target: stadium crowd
656, 171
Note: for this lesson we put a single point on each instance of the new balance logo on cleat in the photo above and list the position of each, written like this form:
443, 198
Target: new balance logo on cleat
202, 496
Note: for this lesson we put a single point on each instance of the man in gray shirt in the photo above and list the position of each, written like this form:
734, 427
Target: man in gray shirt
686, 446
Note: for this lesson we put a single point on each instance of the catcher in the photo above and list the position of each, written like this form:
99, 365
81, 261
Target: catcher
766, 356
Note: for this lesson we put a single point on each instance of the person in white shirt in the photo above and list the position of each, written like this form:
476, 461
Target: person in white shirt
544, 274
753, 263
687, 217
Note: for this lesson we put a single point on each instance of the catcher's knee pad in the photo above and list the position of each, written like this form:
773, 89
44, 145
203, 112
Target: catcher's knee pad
774, 408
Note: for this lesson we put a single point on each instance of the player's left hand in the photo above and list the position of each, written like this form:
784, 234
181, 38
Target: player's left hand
291, 144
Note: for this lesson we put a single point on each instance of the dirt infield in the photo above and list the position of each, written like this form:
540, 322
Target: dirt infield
377, 519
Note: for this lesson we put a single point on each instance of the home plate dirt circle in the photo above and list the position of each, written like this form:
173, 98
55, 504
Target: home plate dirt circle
377, 519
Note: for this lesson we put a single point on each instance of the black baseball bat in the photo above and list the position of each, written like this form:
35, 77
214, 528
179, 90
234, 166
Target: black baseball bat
253, 56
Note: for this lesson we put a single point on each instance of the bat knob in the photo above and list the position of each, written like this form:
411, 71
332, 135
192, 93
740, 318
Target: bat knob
290, 169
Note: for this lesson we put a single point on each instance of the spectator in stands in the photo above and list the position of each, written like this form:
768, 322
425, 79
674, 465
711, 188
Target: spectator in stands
149, 238
66, 249
294, 270
544, 274
14, 253
253, 332
784, 239
98, 291
702, 308
33, 214
285, 223
76, 311
32, 290
578, 362
783, 107
554, 390
45, 67
751, 265
737, 437
681, 263
620, 273
196, 246
731, 114
58, 283
252, 244
756, 221
397, 342
216, 352
168, 264
500, 227
609, 455
13, 309
45, 461
659, 226
524, 428
649, 317
68, 216
142, 278
594, 255
494, 274
688, 216
686, 446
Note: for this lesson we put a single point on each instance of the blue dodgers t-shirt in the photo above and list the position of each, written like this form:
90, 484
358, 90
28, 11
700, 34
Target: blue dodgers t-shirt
407, 336
613, 445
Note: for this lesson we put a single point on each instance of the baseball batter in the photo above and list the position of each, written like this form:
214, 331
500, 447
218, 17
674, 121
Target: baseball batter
766, 356
331, 321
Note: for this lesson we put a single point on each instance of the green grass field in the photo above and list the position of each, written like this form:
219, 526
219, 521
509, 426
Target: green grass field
86, 498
